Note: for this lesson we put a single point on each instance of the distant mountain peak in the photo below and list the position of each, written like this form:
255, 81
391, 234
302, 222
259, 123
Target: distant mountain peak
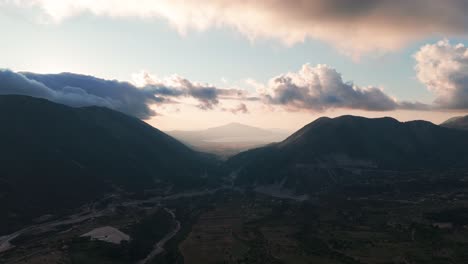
233, 137
236, 124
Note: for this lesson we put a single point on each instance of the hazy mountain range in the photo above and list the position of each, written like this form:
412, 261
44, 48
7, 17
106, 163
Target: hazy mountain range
229, 139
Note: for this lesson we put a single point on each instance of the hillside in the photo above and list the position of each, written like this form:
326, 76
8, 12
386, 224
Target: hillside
331, 146
55, 157
459, 122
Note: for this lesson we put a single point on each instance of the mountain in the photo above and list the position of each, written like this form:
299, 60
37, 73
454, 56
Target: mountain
459, 122
333, 148
229, 139
232, 132
54, 157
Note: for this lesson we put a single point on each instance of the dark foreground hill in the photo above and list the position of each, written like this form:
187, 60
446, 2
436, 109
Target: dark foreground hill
357, 143
54, 157
459, 122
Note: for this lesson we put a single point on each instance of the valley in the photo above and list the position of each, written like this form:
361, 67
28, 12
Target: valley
345, 190
423, 223
234, 132
230, 139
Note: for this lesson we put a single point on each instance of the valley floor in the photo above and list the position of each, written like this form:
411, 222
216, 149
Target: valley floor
228, 225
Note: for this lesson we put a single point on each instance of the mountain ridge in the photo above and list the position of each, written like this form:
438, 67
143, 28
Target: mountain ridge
349, 141
458, 122
55, 157
229, 130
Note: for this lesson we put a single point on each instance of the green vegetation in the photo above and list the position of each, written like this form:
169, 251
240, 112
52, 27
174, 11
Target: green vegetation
144, 234
147, 232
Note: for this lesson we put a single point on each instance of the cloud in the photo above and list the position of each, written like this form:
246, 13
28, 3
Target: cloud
443, 68
355, 27
239, 109
175, 86
78, 90
320, 88
317, 88
82, 90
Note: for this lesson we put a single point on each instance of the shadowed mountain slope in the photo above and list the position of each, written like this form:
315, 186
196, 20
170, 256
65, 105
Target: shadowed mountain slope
54, 156
459, 122
354, 142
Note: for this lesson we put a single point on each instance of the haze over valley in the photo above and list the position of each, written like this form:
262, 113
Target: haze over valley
229, 139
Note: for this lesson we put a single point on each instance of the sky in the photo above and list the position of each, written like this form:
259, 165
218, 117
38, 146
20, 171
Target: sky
273, 64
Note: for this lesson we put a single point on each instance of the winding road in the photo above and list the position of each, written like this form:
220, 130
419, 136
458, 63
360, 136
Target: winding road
159, 246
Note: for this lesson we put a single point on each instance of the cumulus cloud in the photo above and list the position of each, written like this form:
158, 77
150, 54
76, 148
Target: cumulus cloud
356, 27
175, 86
82, 90
320, 88
312, 88
79, 90
443, 68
